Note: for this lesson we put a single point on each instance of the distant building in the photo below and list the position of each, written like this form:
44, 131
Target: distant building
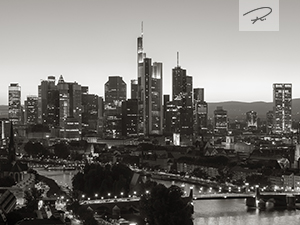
70, 107
251, 120
134, 89
48, 103
92, 115
221, 121
182, 89
200, 111
282, 100
130, 118
14, 103
115, 94
31, 110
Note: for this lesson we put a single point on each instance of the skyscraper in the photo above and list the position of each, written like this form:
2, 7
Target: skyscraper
48, 103
221, 123
31, 110
251, 120
14, 103
115, 94
200, 111
134, 89
149, 95
182, 89
282, 100
70, 109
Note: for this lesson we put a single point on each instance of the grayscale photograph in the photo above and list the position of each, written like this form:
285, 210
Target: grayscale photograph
161, 112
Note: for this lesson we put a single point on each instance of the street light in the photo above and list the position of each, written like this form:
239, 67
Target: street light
96, 195
108, 194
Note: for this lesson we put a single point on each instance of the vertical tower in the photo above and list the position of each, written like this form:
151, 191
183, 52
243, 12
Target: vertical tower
251, 120
14, 103
70, 109
282, 100
182, 90
221, 123
31, 110
48, 103
115, 94
134, 89
200, 111
149, 89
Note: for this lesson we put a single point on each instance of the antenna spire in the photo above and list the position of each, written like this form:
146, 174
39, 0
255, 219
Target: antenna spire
142, 29
177, 59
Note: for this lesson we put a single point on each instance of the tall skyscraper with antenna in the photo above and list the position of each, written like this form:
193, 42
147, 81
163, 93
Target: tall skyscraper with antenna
150, 113
182, 91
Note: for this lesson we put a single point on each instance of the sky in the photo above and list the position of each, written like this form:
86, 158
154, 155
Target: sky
89, 40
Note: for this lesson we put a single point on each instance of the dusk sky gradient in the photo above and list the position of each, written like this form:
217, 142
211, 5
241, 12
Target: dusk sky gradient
87, 41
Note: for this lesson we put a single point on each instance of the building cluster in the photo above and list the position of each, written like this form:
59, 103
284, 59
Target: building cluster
71, 112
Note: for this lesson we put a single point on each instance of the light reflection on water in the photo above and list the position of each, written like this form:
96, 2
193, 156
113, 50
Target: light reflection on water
61, 177
211, 212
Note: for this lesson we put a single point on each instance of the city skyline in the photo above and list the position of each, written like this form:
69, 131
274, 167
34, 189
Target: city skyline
89, 41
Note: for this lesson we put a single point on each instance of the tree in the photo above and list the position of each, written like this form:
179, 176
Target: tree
61, 150
32, 198
165, 206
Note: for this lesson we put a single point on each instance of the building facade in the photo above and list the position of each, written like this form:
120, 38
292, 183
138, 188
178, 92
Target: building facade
251, 120
31, 110
200, 111
14, 103
282, 103
115, 94
221, 121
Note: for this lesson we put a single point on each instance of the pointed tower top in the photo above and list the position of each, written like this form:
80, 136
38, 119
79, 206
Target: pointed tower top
177, 59
142, 28
61, 79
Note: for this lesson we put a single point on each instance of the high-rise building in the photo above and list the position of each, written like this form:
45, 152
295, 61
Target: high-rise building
149, 93
14, 103
70, 108
200, 111
282, 100
182, 89
130, 118
221, 122
115, 94
134, 89
31, 110
92, 118
251, 120
48, 103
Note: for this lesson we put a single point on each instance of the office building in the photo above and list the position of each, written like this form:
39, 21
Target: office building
48, 103
92, 114
130, 118
115, 94
134, 89
221, 121
282, 103
251, 120
31, 110
14, 103
270, 121
182, 90
149, 93
70, 108
200, 112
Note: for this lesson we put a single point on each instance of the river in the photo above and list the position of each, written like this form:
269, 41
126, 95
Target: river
211, 212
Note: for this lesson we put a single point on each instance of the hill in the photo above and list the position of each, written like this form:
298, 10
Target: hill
237, 110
